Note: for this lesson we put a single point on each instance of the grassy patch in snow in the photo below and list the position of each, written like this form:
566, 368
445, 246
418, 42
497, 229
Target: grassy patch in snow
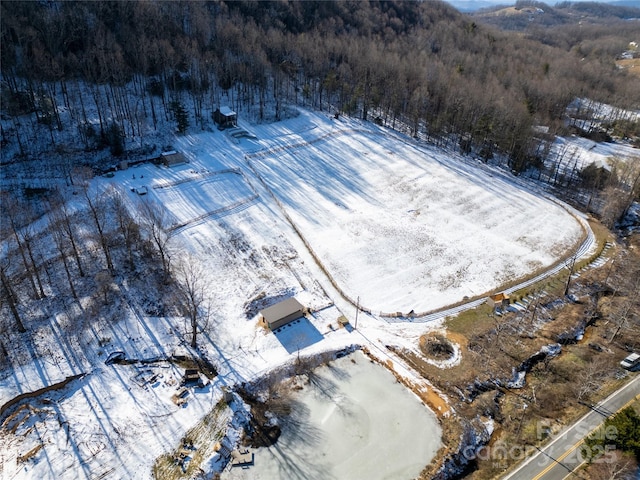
196, 446
30, 454
465, 323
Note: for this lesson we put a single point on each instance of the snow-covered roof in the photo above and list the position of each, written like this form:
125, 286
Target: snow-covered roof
227, 112
173, 158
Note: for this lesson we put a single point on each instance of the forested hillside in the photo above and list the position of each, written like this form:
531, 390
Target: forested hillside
419, 64
532, 15
590, 30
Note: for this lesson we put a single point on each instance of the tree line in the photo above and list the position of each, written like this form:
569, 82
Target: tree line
416, 64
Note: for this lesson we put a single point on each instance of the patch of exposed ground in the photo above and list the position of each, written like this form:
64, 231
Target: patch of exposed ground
437, 347
631, 65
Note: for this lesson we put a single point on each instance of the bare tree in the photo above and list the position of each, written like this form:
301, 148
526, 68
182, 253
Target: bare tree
97, 201
29, 240
61, 245
63, 222
126, 225
104, 281
590, 379
19, 225
622, 192
10, 296
192, 287
615, 466
614, 205
629, 175
156, 223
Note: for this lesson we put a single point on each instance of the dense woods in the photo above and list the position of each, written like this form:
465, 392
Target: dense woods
419, 65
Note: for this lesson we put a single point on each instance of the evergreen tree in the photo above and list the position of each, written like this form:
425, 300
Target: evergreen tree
115, 139
181, 116
621, 430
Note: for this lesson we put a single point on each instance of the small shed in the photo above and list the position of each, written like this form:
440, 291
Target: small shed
499, 300
225, 117
172, 158
242, 458
282, 313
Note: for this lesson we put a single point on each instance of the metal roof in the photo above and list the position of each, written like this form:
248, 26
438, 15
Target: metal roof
281, 309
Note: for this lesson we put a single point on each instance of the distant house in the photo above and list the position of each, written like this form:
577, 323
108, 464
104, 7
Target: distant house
172, 158
499, 300
225, 117
282, 313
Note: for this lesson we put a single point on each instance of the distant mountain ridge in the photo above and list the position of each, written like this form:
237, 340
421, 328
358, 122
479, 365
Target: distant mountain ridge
525, 14
469, 6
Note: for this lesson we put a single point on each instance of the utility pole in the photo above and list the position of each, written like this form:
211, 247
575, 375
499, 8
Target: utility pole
609, 271
524, 410
573, 263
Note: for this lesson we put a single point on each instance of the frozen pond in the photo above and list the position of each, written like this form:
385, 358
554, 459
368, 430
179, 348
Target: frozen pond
352, 421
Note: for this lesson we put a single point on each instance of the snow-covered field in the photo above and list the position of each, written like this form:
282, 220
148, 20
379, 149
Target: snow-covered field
399, 225
575, 153
405, 229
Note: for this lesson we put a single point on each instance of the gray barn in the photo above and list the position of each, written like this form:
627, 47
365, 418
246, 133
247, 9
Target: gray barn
172, 158
282, 313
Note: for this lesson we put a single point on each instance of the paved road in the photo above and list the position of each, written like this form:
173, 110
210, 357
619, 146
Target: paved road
562, 456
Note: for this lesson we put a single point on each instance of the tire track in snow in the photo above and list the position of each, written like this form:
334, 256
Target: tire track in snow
218, 212
199, 176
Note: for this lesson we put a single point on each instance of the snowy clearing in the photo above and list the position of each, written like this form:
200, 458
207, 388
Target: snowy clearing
401, 226
406, 229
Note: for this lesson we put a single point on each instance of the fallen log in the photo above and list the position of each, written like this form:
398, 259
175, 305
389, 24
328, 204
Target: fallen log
37, 393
